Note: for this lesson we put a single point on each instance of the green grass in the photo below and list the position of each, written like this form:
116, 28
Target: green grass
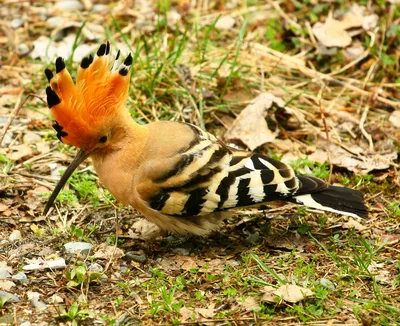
159, 289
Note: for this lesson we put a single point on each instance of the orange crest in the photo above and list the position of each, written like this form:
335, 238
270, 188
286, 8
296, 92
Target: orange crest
81, 109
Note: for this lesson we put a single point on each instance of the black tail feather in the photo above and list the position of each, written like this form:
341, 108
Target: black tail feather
335, 199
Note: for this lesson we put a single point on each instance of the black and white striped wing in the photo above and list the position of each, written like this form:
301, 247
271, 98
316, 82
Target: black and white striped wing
210, 177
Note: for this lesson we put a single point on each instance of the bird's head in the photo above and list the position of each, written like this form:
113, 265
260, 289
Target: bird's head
87, 113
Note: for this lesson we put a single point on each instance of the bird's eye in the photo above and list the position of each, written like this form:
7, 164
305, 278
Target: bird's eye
103, 139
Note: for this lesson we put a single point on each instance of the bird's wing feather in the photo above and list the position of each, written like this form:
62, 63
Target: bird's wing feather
210, 177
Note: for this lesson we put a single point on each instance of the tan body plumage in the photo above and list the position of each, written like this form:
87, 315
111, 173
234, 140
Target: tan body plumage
178, 176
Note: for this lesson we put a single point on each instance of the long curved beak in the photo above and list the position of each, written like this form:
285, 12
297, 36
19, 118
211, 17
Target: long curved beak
78, 159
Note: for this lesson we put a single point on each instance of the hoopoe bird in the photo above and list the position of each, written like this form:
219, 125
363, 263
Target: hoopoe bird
177, 175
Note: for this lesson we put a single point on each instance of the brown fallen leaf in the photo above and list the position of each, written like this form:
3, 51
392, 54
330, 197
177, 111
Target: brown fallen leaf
206, 312
352, 223
394, 119
6, 285
185, 314
382, 276
225, 23
186, 262
268, 294
293, 293
331, 33
361, 162
250, 303
250, 126
288, 242
19, 152
107, 252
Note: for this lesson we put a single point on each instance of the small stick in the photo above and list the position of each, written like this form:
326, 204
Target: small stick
327, 136
17, 107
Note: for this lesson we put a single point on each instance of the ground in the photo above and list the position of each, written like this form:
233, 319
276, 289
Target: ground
336, 100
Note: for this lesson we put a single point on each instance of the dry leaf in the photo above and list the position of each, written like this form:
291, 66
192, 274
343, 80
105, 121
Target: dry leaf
331, 33
293, 293
288, 242
168, 264
268, 294
383, 276
6, 285
19, 152
206, 312
353, 52
394, 119
44, 48
186, 262
250, 126
353, 18
250, 303
225, 23
361, 163
352, 223
185, 314
108, 252
173, 17
370, 22
144, 229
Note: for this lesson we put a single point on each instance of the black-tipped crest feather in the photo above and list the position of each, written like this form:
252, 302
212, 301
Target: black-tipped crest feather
49, 74
102, 50
128, 60
52, 97
60, 64
86, 62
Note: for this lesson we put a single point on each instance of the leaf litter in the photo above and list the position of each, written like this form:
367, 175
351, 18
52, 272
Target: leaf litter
285, 118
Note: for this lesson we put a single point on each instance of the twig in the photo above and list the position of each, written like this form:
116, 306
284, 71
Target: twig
298, 64
281, 13
17, 107
327, 135
364, 132
110, 261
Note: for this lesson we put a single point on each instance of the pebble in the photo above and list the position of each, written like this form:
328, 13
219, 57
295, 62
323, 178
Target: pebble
8, 297
15, 236
327, 283
123, 269
353, 52
52, 264
4, 273
54, 21
20, 278
95, 267
78, 247
181, 251
26, 323
68, 5
34, 299
4, 242
225, 23
23, 49
99, 8
56, 299
31, 138
133, 255
42, 13
394, 119
17, 22
253, 238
